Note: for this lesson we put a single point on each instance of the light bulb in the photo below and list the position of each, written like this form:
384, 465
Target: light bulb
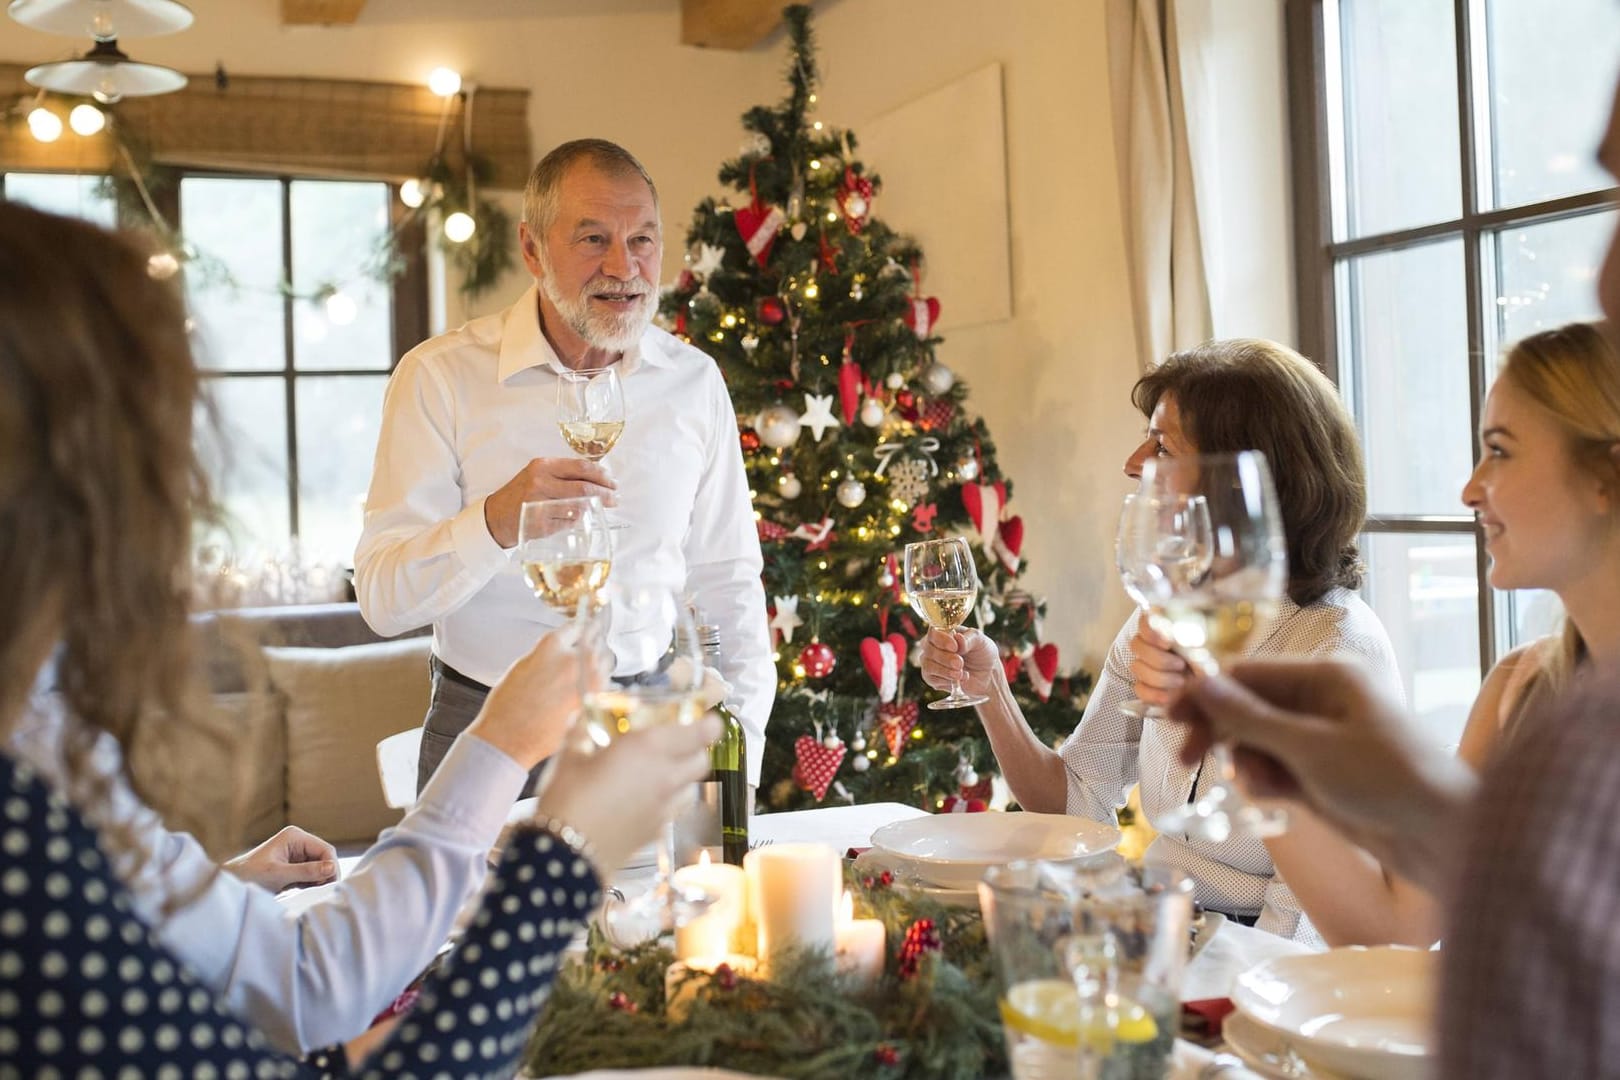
341, 308
86, 119
459, 227
46, 125
162, 265
101, 24
444, 82
412, 194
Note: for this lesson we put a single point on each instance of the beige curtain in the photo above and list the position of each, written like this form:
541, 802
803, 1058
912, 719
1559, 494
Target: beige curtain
1156, 136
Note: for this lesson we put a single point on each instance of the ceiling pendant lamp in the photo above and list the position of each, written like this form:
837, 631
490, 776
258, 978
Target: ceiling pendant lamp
107, 74
102, 20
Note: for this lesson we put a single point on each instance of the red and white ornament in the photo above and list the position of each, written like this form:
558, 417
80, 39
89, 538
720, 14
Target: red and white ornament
1008, 543
816, 764
818, 660
884, 659
1042, 665
854, 197
895, 721
922, 315
758, 225
958, 804
984, 503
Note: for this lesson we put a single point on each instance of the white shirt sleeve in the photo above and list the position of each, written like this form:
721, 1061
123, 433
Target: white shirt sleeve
723, 565
1101, 756
421, 553
319, 977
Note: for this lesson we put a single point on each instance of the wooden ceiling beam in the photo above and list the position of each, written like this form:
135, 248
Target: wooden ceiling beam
728, 24
320, 12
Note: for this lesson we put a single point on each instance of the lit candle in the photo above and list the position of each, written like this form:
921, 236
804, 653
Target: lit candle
793, 894
715, 932
861, 945
684, 978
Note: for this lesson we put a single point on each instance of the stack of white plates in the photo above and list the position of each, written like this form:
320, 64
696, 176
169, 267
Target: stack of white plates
1357, 1013
948, 854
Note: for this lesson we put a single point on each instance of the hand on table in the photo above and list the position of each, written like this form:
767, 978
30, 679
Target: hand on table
967, 657
544, 478
1159, 673
291, 857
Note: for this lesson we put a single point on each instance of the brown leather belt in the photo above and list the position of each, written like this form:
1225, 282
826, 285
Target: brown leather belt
448, 672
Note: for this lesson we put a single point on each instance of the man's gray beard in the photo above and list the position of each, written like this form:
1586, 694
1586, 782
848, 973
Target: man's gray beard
600, 330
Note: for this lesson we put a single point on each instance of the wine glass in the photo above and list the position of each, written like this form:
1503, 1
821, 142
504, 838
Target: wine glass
1138, 549
566, 550
590, 413
644, 646
943, 584
1218, 571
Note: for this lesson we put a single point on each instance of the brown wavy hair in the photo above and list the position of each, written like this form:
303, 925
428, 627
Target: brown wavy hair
98, 481
1251, 394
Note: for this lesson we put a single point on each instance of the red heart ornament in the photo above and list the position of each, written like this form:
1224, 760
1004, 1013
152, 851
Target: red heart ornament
898, 718
983, 503
1042, 667
982, 790
758, 225
936, 415
817, 764
885, 677
1009, 541
958, 804
1012, 665
921, 314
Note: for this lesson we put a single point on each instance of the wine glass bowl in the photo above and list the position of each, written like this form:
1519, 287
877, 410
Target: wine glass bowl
566, 550
1215, 572
942, 584
590, 410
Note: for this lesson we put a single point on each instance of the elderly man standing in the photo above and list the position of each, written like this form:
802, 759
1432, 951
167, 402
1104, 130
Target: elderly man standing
469, 434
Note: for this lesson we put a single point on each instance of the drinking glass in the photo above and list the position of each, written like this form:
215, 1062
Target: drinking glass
1137, 550
1218, 571
566, 550
590, 413
648, 665
943, 584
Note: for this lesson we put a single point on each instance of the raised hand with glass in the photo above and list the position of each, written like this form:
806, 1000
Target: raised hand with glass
1137, 550
566, 550
1217, 571
942, 583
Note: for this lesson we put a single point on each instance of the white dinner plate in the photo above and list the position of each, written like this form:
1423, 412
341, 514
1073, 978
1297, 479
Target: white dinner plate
875, 861
955, 850
1264, 1051
1365, 1013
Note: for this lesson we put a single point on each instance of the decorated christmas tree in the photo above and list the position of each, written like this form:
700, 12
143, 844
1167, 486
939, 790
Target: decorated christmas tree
857, 441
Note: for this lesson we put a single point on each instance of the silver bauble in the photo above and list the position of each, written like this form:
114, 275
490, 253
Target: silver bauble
937, 379
968, 468
790, 486
851, 493
832, 742
778, 427
872, 412
858, 743
855, 206
860, 764
895, 380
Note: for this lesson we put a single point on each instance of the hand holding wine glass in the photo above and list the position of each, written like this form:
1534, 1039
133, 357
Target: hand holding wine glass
1218, 571
1136, 551
566, 550
942, 583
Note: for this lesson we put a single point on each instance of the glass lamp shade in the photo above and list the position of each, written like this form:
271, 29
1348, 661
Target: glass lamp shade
105, 74
102, 19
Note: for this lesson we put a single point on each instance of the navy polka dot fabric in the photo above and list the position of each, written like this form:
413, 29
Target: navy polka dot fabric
86, 991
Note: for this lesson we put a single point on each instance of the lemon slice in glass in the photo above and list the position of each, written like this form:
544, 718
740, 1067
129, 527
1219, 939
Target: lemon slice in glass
1050, 1010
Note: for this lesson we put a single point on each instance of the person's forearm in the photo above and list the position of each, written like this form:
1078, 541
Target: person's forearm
1347, 894
1033, 770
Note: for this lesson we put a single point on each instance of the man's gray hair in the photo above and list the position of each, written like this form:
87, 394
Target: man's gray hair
541, 194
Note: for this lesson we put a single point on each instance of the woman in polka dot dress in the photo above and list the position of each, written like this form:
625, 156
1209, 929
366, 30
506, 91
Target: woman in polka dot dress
97, 481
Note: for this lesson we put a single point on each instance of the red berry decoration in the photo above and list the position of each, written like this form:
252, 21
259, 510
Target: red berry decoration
886, 878
922, 938
621, 1001
609, 963
772, 311
750, 441
818, 660
886, 1055
725, 978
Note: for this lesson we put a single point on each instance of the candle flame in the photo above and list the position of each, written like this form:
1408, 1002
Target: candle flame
846, 909
703, 858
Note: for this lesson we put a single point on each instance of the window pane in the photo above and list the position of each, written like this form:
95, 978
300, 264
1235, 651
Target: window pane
234, 284
1400, 128
1547, 274
1425, 590
1552, 78
337, 436
244, 448
338, 230
62, 193
1406, 379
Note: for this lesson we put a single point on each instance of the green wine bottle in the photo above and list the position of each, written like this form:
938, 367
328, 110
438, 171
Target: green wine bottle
726, 789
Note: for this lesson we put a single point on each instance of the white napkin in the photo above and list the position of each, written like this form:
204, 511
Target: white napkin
1190, 1061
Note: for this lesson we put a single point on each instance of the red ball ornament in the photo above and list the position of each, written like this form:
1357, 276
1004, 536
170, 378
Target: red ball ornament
905, 399
772, 311
818, 660
621, 1001
886, 1055
750, 441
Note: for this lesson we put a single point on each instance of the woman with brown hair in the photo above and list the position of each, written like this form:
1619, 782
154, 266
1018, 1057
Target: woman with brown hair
1221, 397
98, 481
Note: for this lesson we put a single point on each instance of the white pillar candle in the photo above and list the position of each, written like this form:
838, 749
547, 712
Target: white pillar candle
684, 978
861, 945
713, 933
793, 894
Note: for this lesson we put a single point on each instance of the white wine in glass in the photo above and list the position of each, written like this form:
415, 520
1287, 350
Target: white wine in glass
590, 414
566, 550
1220, 571
942, 584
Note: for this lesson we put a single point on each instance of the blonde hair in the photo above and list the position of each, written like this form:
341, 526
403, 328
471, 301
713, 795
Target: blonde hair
1573, 372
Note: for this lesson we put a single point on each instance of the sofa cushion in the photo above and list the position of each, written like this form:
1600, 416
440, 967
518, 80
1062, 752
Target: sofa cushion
339, 704
227, 643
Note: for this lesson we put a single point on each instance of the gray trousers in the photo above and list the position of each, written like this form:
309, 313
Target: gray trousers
452, 707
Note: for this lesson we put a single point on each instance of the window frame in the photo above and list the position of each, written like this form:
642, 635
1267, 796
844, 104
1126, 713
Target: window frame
1313, 116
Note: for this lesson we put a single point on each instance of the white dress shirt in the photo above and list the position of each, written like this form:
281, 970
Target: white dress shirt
467, 410
319, 976
1109, 751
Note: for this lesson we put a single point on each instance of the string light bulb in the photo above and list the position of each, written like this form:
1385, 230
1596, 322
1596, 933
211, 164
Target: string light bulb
86, 119
444, 82
459, 227
341, 308
45, 125
412, 193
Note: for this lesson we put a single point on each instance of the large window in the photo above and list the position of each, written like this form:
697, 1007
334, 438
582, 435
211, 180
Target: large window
295, 332
1447, 202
